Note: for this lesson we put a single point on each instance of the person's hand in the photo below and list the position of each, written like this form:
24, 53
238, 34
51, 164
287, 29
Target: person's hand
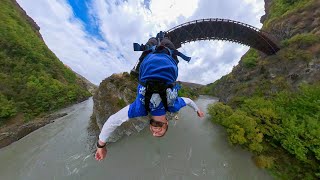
101, 153
200, 113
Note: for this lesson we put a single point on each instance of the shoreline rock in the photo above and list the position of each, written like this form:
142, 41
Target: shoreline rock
16, 132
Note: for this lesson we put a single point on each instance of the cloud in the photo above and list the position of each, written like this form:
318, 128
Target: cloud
65, 35
120, 23
217, 58
209, 63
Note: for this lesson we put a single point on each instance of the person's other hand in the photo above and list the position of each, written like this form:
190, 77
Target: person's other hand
101, 153
200, 114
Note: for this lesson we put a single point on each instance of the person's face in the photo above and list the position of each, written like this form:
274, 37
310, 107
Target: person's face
158, 127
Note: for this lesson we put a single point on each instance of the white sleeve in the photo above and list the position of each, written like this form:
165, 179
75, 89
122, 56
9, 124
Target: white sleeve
190, 103
113, 122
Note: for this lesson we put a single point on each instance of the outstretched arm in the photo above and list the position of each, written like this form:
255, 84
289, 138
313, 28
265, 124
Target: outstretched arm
109, 126
113, 122
193, 105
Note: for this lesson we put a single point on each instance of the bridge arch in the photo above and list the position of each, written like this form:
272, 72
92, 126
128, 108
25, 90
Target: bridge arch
222, 29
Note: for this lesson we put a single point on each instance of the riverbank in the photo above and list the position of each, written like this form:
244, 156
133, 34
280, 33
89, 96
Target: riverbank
17, 128
14, 132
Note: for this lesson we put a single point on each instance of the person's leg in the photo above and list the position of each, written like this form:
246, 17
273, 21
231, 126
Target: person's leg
167, 43
152, 42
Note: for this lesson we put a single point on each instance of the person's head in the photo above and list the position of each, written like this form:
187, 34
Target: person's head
158, 125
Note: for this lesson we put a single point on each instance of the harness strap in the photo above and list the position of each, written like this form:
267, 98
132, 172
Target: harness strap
147, 98
163, 96
147, 49
161, 49
156, 86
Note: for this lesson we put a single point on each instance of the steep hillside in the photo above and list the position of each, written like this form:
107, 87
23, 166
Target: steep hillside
271, 105
191, 90
33, 81
85, 83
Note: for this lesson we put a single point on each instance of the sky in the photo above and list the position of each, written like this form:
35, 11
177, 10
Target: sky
94, 37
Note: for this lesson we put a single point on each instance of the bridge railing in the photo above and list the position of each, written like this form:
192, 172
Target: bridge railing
264, 33
216, 20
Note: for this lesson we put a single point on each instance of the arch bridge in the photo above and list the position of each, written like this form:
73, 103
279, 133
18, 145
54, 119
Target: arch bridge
222, 29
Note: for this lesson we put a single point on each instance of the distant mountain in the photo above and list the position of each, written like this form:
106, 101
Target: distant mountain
191, 85
85, 82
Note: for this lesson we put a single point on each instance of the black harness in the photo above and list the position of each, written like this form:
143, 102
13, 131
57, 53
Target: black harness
147, 49
156, 86
159, 50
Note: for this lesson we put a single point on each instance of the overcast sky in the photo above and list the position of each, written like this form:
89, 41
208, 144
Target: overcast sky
94, 37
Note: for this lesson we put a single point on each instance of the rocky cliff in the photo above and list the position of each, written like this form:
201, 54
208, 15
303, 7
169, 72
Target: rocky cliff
86, 84
297, 62
305, 19
114, 93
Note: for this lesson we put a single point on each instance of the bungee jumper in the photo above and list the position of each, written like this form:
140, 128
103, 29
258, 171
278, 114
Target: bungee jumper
157, 91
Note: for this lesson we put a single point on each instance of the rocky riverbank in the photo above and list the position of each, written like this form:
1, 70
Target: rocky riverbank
15, 131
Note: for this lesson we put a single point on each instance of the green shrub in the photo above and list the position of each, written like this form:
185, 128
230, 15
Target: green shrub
288, 121
250, 59
292, 54
121, 103
301, 41
280, 8
264, 161
7, 108
236, 135
219, 112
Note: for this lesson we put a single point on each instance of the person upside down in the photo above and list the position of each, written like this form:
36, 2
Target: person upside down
157, 93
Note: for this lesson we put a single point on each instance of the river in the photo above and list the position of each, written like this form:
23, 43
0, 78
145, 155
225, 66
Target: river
193, 148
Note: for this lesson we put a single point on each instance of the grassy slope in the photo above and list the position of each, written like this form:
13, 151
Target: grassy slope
281, 8
32, 79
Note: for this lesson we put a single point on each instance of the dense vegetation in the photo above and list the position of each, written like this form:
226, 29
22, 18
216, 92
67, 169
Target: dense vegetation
250, 59
276, 120
277, 129
32, 79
